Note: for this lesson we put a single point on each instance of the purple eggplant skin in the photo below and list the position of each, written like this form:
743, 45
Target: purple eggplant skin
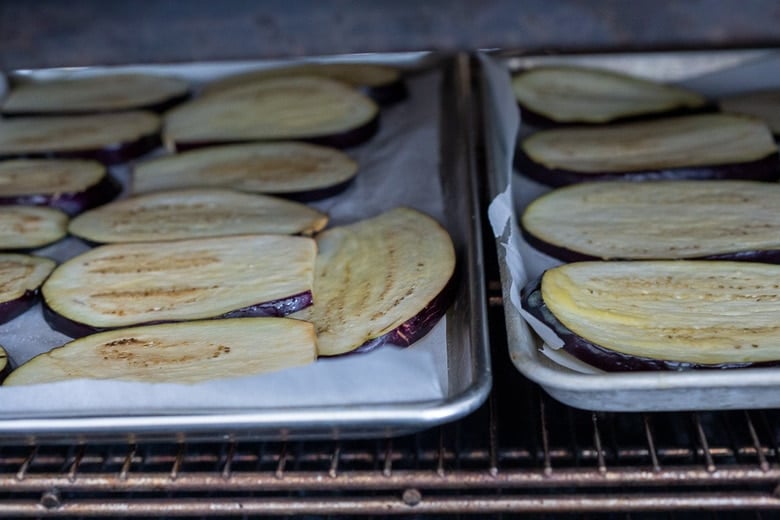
387, 94
72, 203
276, 308
347, 139
12, 308
157, 108
540, 121
109, 155
317, 194
603, 358
766, 169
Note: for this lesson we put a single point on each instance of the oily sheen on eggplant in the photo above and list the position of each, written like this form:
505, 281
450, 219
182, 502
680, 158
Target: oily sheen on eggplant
21, 276
566, 94
662, 315
763, 104
307, 108
193, 213
706, 146
109, 138
657, 220
93, 94
30, 227
70, 185
183, 353
380, 280
298, 171
120, 285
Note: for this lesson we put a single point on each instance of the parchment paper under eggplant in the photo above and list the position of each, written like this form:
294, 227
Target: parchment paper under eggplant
31, 227
555, 95
763, 104
722, 219
21, 276
95, 94
193, 213
298, 171
120, 285
182, 353
705, 146
662, 315
381, 280
307, 108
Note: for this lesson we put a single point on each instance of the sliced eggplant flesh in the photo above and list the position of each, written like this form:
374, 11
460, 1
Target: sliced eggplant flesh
580, 95
104, 93
647, 315
30, 227
289, 169
192, 213
20, 278
119, 285
376, 280
70, 185
110, 138
763, 104
303, 107
657, 220
182, 353
698, 146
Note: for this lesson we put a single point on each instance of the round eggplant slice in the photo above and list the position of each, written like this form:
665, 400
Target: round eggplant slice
20, 278
763, 104
299, 171
182, 353
108, 138
706, 146
193, 213
87, 95
382, 83
579, 95
70, 185
657, 220
662, 315
119, 285
305, 108
30, 227
380, 281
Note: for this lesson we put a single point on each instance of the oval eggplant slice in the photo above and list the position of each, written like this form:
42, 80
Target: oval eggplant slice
657, 220
182, 353
20, 278
119, 285
70, 185
108, 138
763, 104
86, 95
306, 108
381, 83
298, 171
193, 213
30, 227
707, 146
579, 95
662, 315
380, 281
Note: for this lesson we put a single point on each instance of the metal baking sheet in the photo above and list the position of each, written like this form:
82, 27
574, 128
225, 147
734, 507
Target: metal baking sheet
713, 73
438, 86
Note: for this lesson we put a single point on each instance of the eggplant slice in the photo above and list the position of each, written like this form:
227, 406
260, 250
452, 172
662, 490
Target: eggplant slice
579, 95
108, 138
193, 213
299, 171
380, 280
706, 146
20, 278
89, 95
763, 104
119, 285
657, 220
70, 185
183, 353
662, 315
30, 227
382, 83
305, 108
